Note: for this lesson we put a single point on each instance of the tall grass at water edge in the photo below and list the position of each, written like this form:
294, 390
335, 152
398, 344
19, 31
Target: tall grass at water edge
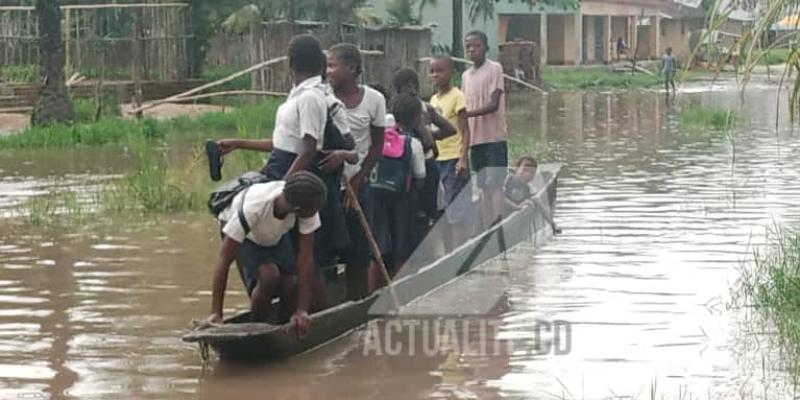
715, 118
251, 121
596, 78
162, 181
772, 283
159, 184
775, 56
55, 208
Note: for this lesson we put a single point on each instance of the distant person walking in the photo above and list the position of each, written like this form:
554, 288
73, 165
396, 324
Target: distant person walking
621, 47
668, 68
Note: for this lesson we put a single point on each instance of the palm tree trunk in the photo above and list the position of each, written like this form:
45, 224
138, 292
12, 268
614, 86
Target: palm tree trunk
457, 49
53, 104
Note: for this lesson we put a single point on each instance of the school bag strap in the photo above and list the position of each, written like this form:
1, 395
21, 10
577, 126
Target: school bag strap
242, 218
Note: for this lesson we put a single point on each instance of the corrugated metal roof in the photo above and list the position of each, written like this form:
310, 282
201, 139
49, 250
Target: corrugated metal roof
689, 3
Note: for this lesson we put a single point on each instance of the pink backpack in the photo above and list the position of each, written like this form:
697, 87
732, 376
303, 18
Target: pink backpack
394, 143
393, 172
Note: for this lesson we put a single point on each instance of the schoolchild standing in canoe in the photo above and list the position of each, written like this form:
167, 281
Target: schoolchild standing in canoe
254, 232
365, 109
453, 159
484, 89
401, 168
406, 81
298, 140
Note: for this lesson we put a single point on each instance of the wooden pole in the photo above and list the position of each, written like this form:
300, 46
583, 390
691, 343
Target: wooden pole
209, 85
636, 35
98, 89
137, 62
376, 251
67, 35
79, 62
230, 93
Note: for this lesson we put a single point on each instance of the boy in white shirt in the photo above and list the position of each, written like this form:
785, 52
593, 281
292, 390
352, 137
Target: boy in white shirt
254, 234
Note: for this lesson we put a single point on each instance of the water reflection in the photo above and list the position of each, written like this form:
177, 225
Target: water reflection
656, 221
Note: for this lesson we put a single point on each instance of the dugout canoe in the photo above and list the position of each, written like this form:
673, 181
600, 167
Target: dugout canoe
239, 339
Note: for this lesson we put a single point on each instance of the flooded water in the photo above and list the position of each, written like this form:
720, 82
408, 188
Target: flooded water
656, 223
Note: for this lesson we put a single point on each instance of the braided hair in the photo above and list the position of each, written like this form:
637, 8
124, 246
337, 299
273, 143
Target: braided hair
305, 190
348, 53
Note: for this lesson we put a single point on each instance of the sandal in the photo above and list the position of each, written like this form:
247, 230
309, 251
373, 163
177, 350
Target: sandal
214, 154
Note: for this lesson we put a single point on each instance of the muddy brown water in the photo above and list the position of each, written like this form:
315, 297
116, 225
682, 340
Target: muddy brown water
656, 223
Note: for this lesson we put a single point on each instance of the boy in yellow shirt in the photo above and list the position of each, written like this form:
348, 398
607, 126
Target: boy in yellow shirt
452, 160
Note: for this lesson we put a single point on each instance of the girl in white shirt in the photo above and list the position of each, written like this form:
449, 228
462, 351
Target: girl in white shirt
254, 229
365, 109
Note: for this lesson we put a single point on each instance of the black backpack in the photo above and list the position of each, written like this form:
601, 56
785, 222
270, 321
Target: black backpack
222, 197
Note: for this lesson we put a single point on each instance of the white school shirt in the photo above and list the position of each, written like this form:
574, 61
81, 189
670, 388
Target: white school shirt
265, 229
304, 113
417, 159
370, 112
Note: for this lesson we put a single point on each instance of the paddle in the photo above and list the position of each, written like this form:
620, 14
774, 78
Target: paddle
376, 251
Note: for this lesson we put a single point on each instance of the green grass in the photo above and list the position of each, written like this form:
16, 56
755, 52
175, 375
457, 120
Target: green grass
773, 56
30, 73
596, 78
215, 73
718, 119
159, 185
55, 208
248, 121
162, 181
773, 284
527, 145
19, 73
85, 109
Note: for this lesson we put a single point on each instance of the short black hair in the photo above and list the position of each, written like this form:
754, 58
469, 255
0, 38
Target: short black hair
406, 80
450, 63
305, 190
406, 107
529, 159
348, 53
480, 35
305, 55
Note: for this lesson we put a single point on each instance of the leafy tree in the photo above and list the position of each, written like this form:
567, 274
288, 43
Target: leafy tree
756, 42
485, 8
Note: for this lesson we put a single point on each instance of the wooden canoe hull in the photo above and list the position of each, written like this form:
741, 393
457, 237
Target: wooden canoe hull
241, 340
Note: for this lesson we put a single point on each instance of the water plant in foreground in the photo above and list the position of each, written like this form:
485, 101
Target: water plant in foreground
55, 207
773, 285
716, 118
158, 186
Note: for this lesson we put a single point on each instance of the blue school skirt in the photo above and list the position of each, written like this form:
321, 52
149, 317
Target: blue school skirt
392, 218
332, 238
